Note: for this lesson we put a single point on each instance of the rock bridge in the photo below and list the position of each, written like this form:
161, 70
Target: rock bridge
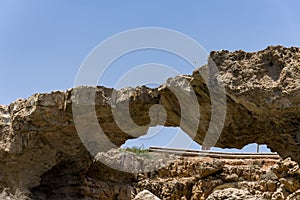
262, 104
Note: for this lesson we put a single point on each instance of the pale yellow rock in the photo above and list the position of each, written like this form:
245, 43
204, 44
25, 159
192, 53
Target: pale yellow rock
146, 195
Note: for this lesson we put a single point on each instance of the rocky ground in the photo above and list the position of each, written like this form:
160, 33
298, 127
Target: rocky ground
173, 177
177, 178
194, 178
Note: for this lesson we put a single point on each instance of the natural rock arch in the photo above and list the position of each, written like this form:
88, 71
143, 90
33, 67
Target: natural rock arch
261, 106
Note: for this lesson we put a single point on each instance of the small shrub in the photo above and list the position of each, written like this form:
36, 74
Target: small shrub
137, 150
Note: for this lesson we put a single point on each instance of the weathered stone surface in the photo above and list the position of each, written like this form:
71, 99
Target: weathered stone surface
145, 194
289, 173
232, 194
262, 91
266, 85
294, 196
252, 177
38, 134
178, 178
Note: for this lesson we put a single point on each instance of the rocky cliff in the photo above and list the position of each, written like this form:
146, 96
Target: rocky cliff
40, 144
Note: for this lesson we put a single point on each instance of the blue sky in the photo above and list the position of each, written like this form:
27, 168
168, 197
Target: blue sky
43, 43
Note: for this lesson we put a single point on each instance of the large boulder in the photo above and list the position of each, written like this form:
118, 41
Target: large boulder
145, 194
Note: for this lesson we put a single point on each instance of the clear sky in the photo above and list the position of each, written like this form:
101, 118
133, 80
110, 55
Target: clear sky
43, 43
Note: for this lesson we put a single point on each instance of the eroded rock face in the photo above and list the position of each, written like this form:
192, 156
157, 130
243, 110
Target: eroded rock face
262, 91
266, 84
208, 178
174, 178
289, 173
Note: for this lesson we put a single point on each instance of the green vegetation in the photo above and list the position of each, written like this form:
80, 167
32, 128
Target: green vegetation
137, 150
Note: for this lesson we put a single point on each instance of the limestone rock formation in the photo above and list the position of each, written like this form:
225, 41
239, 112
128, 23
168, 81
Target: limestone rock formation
54, 136
266, 85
